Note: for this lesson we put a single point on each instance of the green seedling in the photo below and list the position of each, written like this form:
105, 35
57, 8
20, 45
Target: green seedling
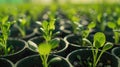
74, 19
102, 23
116, 30
84, 33
22, 25
5, 31
44, 50
99, 41
47, 29
75, 23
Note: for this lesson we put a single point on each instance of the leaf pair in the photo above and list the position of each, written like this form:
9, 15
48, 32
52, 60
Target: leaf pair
114, 25
99, 41
48, 25
47, 29
45, 48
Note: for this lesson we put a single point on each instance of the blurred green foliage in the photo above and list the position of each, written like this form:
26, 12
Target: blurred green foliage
13, 1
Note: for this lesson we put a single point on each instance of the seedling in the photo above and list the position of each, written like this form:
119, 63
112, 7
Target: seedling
101, 21
85, 32
74, 19
44, 50
99, 41
5, 30
116, 30
47, 29
22, 24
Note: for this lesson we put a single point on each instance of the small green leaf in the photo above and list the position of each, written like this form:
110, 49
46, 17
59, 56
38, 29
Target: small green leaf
118, 21
75, 19
45, 25
91, 25
51, 24
85, 33
107, 46
111, 25
99, 40
44, 49
97, 44
4, 19
23, 21
8, 49
54, 43
99, 17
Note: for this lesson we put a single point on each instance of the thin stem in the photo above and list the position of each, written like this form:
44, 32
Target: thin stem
44, 59
116, 37
93, 51
99, 57
95, 57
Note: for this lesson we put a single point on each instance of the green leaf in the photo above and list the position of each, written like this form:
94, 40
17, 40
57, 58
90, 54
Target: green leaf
54, 43
111, 25
8, 49
85, 33
99, 40
51, 24
44, 48
116, 37
23, 21
118, 21
107, 46
45, 25
91, 25
99, 17
96, 44
75, 19
4, 19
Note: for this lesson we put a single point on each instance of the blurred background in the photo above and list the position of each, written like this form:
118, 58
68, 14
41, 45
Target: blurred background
59, 1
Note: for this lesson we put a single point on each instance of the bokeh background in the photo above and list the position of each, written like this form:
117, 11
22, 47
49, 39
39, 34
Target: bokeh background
59, 1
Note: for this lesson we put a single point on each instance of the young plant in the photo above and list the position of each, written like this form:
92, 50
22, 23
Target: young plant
116, 30
44, 50
85, 32
99, 41
5, 30
74, 20
22, 24
47, 29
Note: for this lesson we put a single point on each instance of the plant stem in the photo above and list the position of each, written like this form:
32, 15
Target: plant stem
116, 37
44, 59
99, 57
95, 57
